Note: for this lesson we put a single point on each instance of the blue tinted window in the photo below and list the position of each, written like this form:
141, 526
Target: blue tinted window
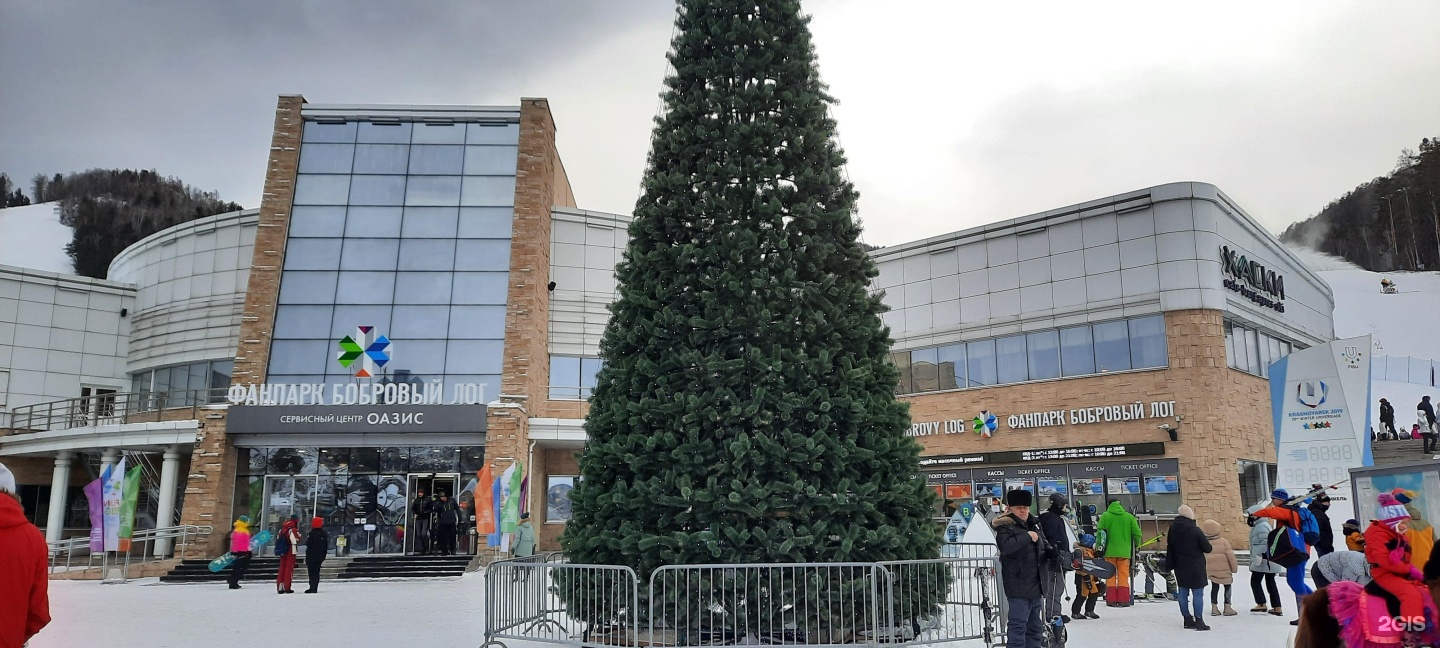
477, 322
303, 322
980, 359
589, 367
423, 288
433, 191
438, 134
312, 254
420, 322
564, 377
1010, 359
377, 190
322, 222
307, 287
384, 133
365, 288
1112, 346
922, 369
429, 222
422, 357
373, 222
488, 191
317, 132
481, 288
427, 254
1043, 349
1077, 351
369, 254
321, 189
485, 222
390, 159
348, 318
326, 158
436, 160
482, 254
478, 356
1147, 342
492, 133
952, 366
490, 160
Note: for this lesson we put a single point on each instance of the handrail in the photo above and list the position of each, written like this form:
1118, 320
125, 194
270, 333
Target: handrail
144, 540
110, 409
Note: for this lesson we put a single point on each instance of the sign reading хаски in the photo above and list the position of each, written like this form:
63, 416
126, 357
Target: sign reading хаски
1137, 410
1252, 280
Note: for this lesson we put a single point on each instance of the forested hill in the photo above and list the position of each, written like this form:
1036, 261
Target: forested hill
110, 209
1389, 223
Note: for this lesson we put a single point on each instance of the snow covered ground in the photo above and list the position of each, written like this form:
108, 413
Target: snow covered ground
32, 237
436, 614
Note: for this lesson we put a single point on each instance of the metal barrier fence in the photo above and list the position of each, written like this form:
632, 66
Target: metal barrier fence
901, 603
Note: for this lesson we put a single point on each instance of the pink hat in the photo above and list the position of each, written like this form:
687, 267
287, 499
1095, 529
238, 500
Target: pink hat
1391, 511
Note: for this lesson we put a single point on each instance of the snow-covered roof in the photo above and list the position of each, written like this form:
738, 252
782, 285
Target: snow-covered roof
32, 237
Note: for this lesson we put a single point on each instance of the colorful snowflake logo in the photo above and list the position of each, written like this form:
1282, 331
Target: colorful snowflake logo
365, 352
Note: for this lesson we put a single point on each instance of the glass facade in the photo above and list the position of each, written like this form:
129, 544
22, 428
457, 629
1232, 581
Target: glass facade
404, 227
182, 385
1137, 343
1253, 351
572, 377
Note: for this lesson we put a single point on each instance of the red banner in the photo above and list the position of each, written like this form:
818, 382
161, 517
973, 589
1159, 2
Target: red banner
484, 502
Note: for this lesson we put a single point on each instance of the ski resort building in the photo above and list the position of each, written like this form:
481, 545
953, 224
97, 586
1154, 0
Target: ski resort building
1114, 349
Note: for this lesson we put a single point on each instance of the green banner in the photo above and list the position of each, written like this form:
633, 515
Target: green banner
129, 495
510, 514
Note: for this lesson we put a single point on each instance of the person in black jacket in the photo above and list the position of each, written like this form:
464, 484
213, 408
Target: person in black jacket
1428, 428
1052, 524
421, 510
316, 545
1023, 554
447, 518
1387, 420
1185, 555
1319, 507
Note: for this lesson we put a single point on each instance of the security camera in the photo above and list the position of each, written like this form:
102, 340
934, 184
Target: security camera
1163, 426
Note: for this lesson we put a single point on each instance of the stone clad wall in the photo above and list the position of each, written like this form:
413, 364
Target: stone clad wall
1227, 416
210, 483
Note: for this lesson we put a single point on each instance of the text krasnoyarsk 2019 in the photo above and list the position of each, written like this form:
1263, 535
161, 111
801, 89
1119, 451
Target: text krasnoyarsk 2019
356, 394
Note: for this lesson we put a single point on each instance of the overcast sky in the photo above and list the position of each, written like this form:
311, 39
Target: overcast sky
953, 114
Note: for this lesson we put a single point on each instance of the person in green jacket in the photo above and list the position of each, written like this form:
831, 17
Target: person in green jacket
1122, 534
524, 546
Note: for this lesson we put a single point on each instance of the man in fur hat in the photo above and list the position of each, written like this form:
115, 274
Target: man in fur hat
1023, 556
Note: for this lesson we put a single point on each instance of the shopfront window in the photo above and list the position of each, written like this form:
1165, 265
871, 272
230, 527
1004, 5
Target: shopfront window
1252, 350
1256, 479
923, 369
981, 363
952, 366
182, 385
1011, 360
573, 378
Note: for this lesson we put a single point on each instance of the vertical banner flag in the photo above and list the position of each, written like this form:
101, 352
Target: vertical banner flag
95, 494
510, 512
493, 540
114, 482
129, 497
484, 502
1320, 401
525, 494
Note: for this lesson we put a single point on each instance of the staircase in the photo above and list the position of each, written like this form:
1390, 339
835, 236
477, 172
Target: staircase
1398, 452
347, 568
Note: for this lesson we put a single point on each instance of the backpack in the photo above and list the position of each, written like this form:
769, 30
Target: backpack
1101, 537
282, 544
1309, 528
1285, 546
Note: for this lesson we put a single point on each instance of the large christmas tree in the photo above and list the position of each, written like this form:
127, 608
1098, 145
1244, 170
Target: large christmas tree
746, 411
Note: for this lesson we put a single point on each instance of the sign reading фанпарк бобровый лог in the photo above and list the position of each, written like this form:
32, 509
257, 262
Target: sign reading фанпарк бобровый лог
356, 394
1249, 278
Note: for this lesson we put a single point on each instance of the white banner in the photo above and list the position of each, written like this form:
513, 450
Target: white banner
1320, 400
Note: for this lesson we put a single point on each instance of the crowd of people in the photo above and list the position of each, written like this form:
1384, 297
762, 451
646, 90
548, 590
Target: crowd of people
1424, 427
1035, 552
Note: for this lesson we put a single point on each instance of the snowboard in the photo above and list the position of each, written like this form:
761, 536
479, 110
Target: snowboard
225, 560
1097, 567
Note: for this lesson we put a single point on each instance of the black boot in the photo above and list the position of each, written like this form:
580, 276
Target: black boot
1200, 624
1189, 622
1090, 607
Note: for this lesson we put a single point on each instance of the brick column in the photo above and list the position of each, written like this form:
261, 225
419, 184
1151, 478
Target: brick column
525, 375
210, 485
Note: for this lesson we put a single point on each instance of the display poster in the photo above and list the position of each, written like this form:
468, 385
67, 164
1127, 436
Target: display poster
1124, 485
1094, 486
1050, 487
988, 490
957, 492
1019, 484
1161, 484
557, 498
1320, 401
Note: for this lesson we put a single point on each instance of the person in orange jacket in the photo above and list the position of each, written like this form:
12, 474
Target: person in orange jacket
1388, 553
1420, 534
1286, 514
24, 563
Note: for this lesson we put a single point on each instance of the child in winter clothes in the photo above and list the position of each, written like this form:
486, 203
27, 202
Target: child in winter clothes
1220, 566
1088, 589
1353, 538
1388, 553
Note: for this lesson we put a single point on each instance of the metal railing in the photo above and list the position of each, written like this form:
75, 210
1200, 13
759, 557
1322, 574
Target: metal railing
900, 603
111, 409
143, 549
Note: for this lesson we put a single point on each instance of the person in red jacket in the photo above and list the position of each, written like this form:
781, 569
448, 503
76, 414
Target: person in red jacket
1388, 553
24, 586
291, 539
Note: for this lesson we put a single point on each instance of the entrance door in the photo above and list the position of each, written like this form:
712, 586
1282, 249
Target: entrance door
419, 538
286, 496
